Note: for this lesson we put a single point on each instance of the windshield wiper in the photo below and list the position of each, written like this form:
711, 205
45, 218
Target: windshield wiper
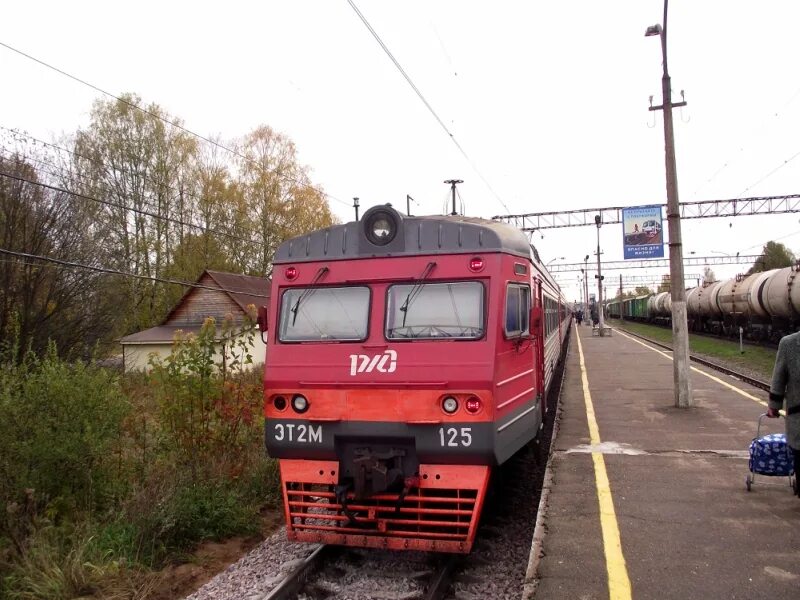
307, 292
416, 289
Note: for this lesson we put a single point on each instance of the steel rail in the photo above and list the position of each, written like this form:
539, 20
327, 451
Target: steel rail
290, 587
757, 383
442, 578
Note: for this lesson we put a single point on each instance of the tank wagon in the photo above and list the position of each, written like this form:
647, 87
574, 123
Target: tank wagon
765, 305
406, 358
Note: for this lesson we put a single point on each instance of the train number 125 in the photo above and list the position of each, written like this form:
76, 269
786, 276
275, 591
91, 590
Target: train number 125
453, 438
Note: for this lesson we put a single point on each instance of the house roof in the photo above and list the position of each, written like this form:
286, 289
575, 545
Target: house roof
243, 289
155, 335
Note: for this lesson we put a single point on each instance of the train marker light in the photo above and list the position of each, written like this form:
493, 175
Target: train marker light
291, 273
279, 403
450, 405
476, 264
473, 405
299, 403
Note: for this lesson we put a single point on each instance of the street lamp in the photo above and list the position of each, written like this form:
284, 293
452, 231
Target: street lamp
554, 259
680, 331
600, 321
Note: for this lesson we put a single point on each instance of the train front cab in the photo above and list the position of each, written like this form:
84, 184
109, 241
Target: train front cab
400, 425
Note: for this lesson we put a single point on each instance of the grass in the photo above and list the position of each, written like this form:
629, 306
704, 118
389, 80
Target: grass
758, 359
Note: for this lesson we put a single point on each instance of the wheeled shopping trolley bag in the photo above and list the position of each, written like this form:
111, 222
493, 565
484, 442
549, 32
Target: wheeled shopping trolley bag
770, 455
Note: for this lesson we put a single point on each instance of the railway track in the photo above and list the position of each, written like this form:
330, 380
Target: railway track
298, 583
496, 568
733, 338
758, 383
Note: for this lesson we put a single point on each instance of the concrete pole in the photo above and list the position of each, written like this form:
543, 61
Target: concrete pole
680, 329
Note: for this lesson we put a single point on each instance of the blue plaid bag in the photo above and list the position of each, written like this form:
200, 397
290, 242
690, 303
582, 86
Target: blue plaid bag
770, 455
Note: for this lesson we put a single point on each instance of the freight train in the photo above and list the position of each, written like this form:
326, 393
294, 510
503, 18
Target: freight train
407, 357
765, 305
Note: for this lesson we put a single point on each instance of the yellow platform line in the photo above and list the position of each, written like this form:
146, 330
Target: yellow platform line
619, 584
739, 391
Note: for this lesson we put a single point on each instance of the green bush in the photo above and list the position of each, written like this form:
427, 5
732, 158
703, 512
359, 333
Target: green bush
104, 478
60, 436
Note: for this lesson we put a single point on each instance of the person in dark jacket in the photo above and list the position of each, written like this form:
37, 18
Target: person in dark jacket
784, 392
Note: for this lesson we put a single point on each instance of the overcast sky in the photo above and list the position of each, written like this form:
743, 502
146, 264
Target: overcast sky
548, 100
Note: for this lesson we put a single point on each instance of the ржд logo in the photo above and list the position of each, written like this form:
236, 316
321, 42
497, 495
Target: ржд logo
383, 363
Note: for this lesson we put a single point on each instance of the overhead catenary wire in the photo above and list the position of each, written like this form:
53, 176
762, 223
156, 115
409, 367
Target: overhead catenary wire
109, 271
18, 134
124, 207
770, 174
424, 101
84, 179
731, 158
160, 118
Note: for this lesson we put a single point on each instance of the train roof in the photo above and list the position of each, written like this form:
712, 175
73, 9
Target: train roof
411, 236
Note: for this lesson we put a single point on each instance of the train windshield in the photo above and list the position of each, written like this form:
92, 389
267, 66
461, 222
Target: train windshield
324, 314
435, 310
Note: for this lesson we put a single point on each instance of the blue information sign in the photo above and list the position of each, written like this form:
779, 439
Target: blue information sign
642, 234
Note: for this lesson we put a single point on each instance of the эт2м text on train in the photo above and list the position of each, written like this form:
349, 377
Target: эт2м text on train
406, 357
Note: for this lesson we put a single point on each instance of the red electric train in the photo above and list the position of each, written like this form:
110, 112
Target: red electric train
406, 357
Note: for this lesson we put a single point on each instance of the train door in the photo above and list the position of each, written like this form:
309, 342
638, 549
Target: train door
538, 331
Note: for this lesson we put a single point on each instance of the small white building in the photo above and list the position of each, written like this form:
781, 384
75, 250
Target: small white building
235, 293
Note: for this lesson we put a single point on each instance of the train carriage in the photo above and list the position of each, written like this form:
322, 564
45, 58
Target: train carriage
407, 356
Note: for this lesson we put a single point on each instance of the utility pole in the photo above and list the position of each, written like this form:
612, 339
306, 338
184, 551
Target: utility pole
408, 204
453, 183
620, 287
355, 205
680, 329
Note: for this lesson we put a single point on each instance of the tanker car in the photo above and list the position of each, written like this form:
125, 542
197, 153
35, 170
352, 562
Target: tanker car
766, 305
406, 358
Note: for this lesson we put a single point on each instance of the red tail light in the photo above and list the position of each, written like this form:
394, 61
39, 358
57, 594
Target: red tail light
476, 264
291, 273
473, 405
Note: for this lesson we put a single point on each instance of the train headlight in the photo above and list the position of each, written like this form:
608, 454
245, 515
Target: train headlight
473, 405
380, 227
299, 403
279, 402
449, 405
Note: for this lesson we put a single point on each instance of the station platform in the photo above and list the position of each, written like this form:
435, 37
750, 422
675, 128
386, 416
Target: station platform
645, 500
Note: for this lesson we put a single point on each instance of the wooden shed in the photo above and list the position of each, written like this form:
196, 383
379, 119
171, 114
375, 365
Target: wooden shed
232, 296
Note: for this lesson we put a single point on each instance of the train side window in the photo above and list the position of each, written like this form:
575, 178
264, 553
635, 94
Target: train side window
518, 309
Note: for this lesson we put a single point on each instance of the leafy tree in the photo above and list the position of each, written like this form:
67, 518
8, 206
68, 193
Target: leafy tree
277, 195
774, 255
142, 166
42, 301
708, 275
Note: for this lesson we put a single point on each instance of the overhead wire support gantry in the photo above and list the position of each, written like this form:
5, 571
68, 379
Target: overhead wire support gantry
702, 209
657, 263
